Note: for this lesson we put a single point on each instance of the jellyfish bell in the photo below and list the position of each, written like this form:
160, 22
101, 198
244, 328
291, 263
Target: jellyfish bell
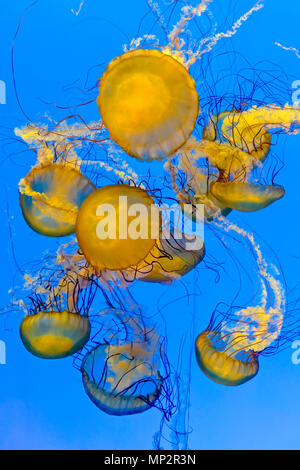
50, 196
171, 259
54, 335
246, 197
221, 365
148, 102
121, 379
112, 241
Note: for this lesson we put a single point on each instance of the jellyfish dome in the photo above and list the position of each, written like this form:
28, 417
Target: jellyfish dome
220, 365
54, 335
171, 259
121, 379
50, 196
148, 102
117, 226
246, 197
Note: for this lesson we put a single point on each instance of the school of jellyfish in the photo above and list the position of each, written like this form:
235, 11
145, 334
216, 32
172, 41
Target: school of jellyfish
211, 162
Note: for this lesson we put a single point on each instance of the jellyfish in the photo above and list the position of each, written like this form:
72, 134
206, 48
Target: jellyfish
171, 258
227, 351
57, 322
246, 197
147, 98
220, 365
54, 335
50, 197
117, 226
121, 379
121, 374
148, 102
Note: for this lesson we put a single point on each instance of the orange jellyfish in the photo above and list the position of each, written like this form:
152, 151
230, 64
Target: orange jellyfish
121, 379
117, 226
148, 102
221, 365
227, 351
54, 335
171, 259
50, 196
246, 197
57, 324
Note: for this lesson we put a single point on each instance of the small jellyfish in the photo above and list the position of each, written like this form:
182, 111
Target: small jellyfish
227, 351
121, 379
148, 102
54, 335
246, 197
221, 365
171, 259
57, 322
117, 226
50, 197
